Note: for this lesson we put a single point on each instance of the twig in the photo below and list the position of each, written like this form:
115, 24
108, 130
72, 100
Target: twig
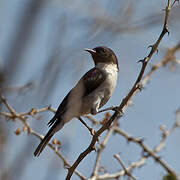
124, 167
91, 130
100, 150
146, 149
122, 172
169, 57
34, 111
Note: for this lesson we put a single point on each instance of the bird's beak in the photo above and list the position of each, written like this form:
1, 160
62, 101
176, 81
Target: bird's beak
91, 51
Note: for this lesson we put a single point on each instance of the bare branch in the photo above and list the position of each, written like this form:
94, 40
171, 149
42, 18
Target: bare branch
124, 167
147, 150
100, 150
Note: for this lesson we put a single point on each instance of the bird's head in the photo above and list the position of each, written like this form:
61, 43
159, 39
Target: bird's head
103, 54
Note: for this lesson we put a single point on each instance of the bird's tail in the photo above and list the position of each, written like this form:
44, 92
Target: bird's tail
44, 142
56, 127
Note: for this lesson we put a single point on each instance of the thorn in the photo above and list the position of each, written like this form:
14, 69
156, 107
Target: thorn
153, 47
150, 46
139, 86
166, 30
141, 60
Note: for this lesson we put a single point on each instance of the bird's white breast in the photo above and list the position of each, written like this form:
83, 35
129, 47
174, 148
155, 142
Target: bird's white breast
109, 84
111, 72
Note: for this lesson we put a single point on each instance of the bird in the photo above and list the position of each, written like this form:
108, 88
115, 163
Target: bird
90, 93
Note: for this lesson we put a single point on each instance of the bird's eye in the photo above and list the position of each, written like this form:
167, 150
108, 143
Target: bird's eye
103, 51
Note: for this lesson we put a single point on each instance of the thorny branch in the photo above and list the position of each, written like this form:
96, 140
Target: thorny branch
125, 101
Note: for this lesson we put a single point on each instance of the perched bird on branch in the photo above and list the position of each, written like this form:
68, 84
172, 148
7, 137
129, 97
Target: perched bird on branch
91, 92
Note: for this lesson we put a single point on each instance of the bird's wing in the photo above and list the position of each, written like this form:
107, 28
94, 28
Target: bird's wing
92, 79
61, 109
